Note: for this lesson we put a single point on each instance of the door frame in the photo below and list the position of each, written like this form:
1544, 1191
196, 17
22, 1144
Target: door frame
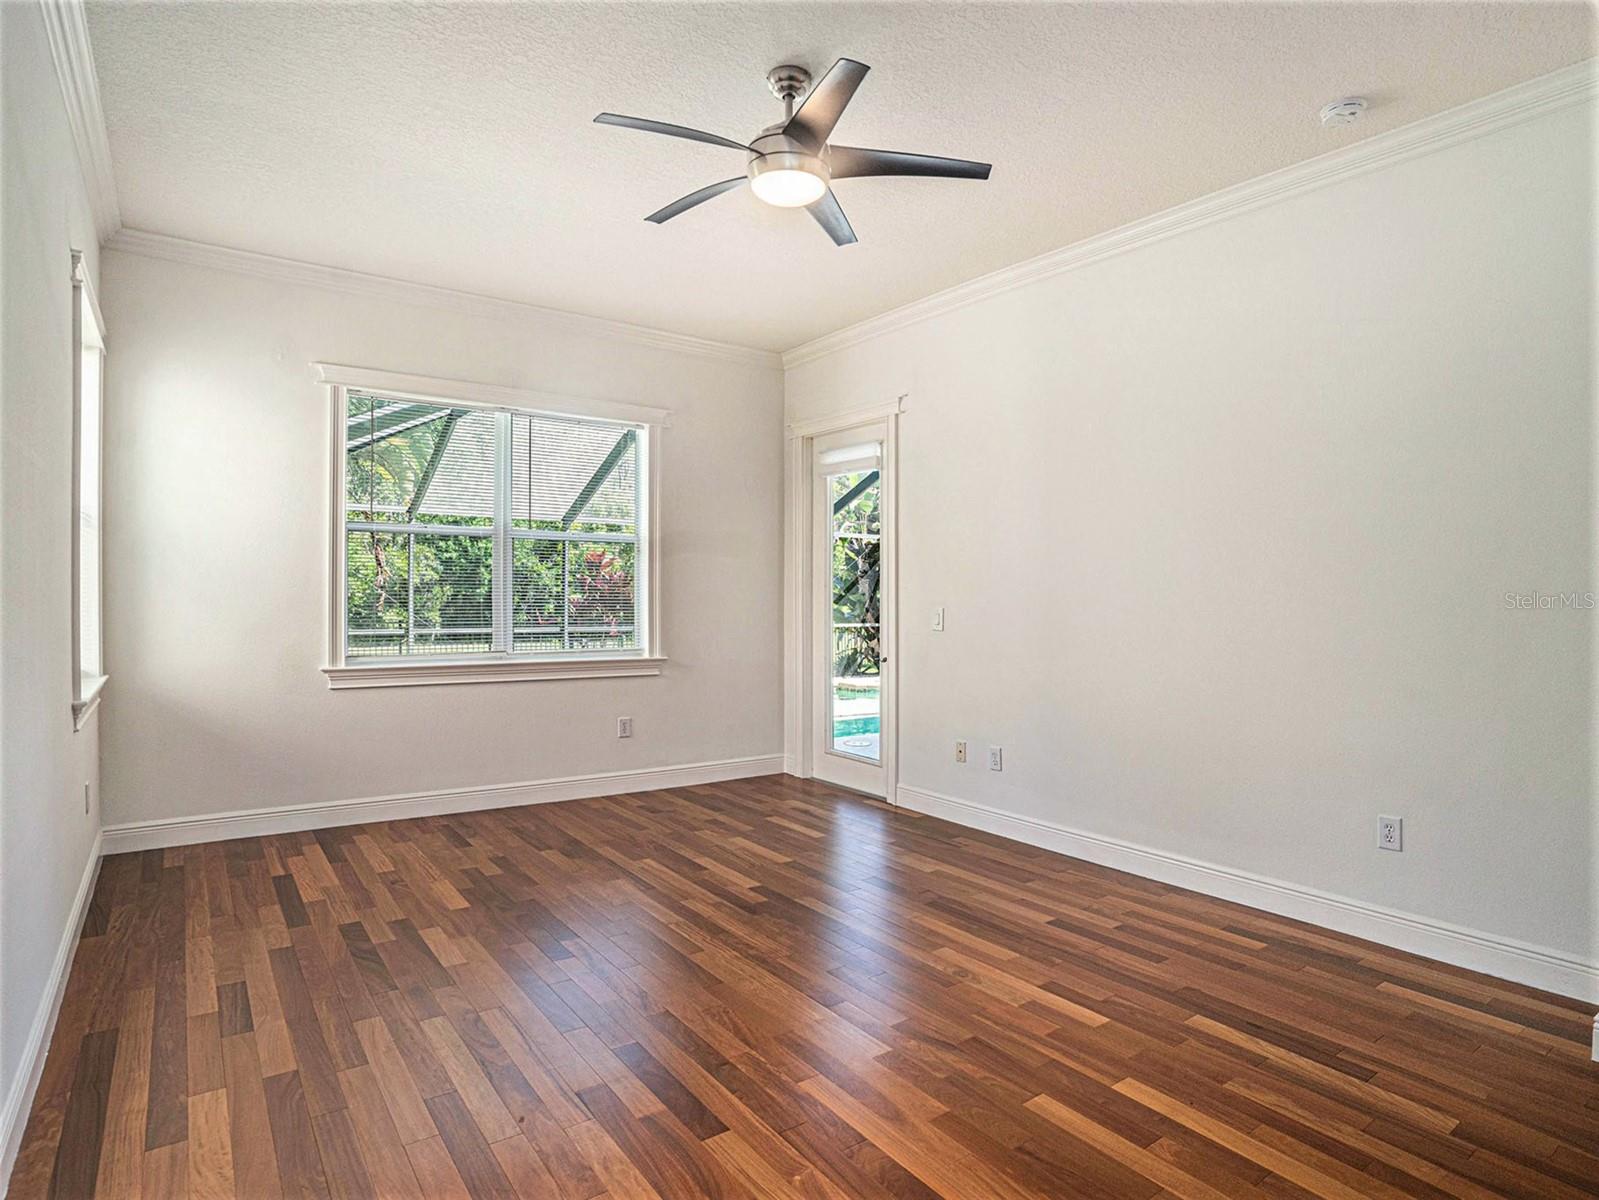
799, 603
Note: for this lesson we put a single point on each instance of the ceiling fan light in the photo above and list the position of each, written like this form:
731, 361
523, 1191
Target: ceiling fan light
789, 187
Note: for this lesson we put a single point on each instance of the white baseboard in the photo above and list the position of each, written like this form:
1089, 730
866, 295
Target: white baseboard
1504, 958
255, 822
30, 1066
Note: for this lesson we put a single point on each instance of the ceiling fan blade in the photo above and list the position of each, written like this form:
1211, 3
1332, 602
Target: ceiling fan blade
677, 131
814, 121
678, 207
831, 217
851, 162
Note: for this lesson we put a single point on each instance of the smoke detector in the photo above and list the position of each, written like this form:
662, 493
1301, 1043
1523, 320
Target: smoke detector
1343, 112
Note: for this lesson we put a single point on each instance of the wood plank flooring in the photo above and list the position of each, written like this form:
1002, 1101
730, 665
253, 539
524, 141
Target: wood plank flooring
767, 989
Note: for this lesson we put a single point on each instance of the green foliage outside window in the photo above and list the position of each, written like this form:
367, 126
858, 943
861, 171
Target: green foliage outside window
857, 590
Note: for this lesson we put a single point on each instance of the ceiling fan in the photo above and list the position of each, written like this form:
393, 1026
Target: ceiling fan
791, 164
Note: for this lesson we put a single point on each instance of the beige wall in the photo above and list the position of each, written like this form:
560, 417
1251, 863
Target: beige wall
45, 836
216, 531
1224, 527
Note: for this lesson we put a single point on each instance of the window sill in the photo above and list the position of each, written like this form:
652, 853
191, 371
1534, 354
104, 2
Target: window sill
88, 700
422, 674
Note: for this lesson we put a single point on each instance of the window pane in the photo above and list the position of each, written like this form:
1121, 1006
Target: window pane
452, 603
376, 592
418, 593
89, 436
597, 581
460, 490
89, 662
857, 701
408, 461
572, 475
89, 598
599, 597
537, 589
856, 507
856, 613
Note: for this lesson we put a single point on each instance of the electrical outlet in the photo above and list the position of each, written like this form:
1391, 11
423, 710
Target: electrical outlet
960, 751
996, 758
938, 620
1390, 833
624, 727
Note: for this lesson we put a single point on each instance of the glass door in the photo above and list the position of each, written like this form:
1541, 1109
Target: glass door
848, 563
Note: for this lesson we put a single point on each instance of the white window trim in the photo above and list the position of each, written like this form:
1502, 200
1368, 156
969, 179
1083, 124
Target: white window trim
414, 671
86, 689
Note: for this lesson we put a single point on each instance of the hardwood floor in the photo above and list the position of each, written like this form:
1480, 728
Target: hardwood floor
767, 989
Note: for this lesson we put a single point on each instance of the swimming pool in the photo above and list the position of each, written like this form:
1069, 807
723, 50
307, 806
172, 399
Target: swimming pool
851, 726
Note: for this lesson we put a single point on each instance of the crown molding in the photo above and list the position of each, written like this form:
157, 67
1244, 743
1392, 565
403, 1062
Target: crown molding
339, 279
68, 32
1523, 102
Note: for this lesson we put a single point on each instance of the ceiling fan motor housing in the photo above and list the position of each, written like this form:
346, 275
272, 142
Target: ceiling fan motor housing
776, 151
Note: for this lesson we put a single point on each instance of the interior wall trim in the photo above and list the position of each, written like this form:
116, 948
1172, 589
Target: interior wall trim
1502, 957
297, 818
381, 287
1477, 118
833, 422
30, 1065
430, 389
67, 29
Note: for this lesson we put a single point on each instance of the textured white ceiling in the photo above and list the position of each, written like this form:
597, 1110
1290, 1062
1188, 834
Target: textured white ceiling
453, 144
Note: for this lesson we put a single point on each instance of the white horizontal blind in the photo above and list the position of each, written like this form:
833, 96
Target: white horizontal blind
474, 532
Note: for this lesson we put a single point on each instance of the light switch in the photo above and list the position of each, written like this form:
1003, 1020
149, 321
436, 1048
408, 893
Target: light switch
938, 620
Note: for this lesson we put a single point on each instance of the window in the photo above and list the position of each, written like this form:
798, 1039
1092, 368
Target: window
484, 541
855, 537
88, 376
